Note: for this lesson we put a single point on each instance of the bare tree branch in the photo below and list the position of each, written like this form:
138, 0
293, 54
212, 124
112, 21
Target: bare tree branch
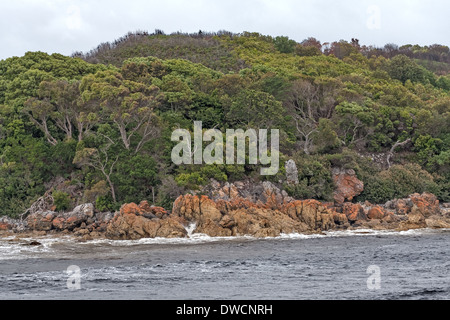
395, 146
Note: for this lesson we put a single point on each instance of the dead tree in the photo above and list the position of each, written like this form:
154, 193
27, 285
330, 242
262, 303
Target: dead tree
395, 146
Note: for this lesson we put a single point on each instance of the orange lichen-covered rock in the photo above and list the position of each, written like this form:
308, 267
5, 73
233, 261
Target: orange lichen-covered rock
131, 209
427, 204
347, 185
310, 212
6, 224
354, 212
340, 219
376, 213
403, 206
148, 211
196, 208
132, 223
41, 221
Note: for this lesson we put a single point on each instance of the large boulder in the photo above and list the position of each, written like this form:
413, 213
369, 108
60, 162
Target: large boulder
41, 220
133, 223
308, 212
196, 209
376, 213
414, 220
7, 224
426, 204
354, 212
74, 219
347, 185
438, 222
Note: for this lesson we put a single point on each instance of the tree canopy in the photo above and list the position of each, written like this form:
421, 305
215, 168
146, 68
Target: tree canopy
97, 126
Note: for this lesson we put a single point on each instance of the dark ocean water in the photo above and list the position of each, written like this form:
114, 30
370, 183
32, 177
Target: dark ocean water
412, 265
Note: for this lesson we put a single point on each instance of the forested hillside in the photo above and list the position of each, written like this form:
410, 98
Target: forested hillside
96, 127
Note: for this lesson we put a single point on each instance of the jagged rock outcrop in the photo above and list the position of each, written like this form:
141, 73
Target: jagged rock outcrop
418, 211
376, 212
438, 222
260, 193
135, 222
102, 221
311, 213
354, 212
348, 186
242, 217
6, 224
426, 204
232, 215
422, 210
41, 220
74, 219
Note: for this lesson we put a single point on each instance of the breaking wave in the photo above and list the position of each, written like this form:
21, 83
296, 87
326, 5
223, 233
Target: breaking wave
12, 248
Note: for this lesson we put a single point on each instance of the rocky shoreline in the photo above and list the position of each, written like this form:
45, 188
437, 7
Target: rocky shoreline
228, 210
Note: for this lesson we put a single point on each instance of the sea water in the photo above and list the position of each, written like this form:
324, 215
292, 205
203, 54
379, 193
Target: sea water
333, 266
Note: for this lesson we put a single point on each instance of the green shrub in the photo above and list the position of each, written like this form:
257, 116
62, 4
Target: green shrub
398, 182
62, 200
314, 174
378, 189
190, 180
105, 204
284, 44
443, 193
300, 191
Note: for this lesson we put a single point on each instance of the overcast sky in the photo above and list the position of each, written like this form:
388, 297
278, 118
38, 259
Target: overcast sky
66, 26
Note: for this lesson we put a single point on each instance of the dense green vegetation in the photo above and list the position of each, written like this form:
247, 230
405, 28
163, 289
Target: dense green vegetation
96, 127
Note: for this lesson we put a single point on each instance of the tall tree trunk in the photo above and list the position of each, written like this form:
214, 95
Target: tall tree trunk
153, 194
111, 186
306, 146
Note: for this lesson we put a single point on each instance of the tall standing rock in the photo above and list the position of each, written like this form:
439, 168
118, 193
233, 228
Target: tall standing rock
291, 173
347, 185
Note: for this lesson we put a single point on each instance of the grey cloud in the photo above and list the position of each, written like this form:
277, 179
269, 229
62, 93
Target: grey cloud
66, 26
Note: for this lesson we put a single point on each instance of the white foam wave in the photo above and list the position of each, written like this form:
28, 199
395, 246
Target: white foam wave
197, 238
298, 236
13, 248
10, 248
371, 232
